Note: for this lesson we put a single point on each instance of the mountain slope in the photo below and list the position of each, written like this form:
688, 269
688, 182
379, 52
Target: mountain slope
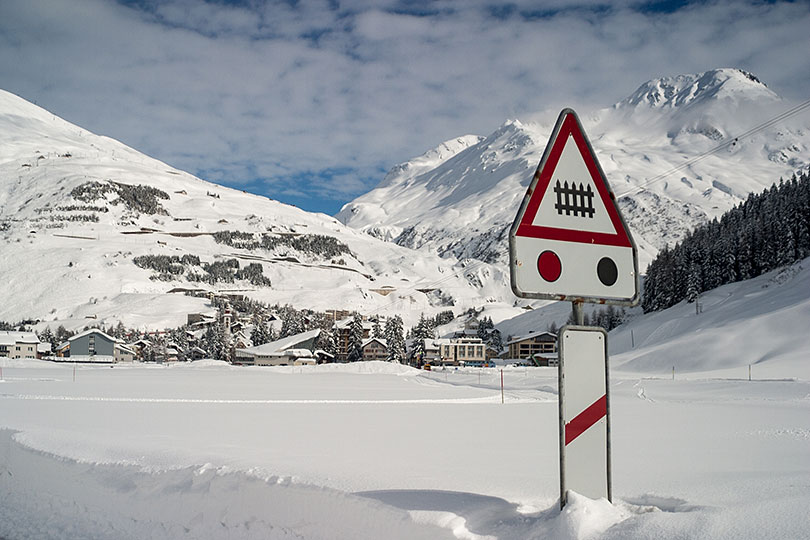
760, 322
465, 205
93, 229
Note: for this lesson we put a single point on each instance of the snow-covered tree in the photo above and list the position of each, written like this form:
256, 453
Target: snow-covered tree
766, 231
376, 331
693, 283
214, 340
395, 339
260, 334
292, 323
327, 341
419, 333
354, 351
46, 336
485, 326
62, 335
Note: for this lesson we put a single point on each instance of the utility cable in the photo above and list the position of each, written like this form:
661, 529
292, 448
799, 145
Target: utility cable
730, 142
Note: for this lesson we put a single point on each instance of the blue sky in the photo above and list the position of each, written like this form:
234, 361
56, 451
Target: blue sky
311, 102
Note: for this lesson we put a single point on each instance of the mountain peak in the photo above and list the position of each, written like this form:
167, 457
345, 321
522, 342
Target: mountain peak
429, 160
691, 89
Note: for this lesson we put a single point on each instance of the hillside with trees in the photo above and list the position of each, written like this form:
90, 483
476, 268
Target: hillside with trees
767, 231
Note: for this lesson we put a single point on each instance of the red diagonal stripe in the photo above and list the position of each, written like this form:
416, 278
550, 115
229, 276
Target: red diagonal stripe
586, 419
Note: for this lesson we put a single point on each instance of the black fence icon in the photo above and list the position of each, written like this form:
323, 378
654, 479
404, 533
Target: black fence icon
578, 200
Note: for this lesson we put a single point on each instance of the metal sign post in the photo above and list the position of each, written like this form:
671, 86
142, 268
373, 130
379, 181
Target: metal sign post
584, 413
570, 242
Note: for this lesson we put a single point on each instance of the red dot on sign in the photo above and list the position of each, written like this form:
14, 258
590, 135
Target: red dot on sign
549, 266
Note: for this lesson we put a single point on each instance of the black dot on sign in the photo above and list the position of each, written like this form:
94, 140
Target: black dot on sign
607, 271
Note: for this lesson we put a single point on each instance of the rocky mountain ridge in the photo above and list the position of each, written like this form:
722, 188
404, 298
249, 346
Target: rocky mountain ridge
647, 145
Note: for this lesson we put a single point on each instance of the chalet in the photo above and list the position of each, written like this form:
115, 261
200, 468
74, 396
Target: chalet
432, 354
240, 340
196, 353
526, 347
375, 349
18, 344
126, 353
491, 353
142, 348
283, 352
171, 353
470, 329
301, 357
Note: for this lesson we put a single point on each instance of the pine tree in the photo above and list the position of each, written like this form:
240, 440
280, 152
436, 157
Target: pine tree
485, 326
327, 341
616, 316
46, 336
419, 333
260, 334
180, 339
335, 332
495, 340
292, 323
62, 335
395, 339
119, 331
376, 331
354, 352
272, 335
693, 283
215, 342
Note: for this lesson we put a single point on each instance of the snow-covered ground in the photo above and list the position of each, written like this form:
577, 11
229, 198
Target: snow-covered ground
206, 450
377, 450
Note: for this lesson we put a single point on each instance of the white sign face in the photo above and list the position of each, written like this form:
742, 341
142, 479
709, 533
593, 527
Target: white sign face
584, 418
568, 241
571, 200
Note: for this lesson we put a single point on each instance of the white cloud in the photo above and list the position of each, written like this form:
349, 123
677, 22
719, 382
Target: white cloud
280, 92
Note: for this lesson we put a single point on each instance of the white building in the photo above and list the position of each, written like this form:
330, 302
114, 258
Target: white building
18, 344
288, 351
469, 351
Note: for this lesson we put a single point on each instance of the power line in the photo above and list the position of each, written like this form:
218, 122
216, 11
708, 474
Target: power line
730, 142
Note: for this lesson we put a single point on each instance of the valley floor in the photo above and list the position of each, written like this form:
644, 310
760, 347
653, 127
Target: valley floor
375, 451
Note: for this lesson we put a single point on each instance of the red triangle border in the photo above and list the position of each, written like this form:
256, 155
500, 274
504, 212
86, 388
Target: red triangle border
570, 127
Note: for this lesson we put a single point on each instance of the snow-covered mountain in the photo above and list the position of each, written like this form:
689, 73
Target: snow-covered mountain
90, 228
461, 198
93, 229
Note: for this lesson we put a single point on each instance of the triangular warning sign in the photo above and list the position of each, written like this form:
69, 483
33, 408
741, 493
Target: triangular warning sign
568, 240
569, 199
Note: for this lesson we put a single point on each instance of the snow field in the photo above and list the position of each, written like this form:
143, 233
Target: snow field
207, 450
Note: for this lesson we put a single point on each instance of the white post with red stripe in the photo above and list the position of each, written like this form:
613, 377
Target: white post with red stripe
584, 413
